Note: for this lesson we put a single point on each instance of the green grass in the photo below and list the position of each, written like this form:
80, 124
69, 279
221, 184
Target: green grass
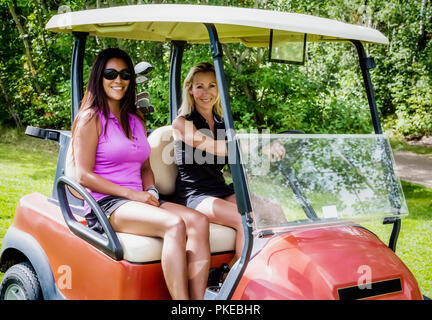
415, 240
28, 165
399, 144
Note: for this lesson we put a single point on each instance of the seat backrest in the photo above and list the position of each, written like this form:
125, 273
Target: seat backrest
162, 159
69, 169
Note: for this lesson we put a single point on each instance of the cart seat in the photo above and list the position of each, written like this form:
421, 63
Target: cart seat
162, 161
141, 249
147, 249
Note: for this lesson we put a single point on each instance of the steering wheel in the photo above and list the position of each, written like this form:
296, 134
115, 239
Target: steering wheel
291, 132
285, 168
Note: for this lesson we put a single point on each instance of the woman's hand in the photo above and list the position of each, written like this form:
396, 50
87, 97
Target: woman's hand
144, 197
274, 150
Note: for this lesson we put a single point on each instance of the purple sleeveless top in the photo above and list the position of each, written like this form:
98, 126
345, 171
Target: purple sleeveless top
119, 159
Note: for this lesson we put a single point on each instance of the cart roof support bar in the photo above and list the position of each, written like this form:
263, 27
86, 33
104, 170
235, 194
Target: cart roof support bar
177, 49
77, 90
239, 180
240, 186
367, 63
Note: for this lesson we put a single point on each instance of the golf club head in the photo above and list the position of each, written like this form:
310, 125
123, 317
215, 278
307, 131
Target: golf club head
141, 79
146, 109
143, 68
142, 95
143, 103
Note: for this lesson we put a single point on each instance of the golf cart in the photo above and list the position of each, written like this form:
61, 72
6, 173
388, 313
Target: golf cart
306, 243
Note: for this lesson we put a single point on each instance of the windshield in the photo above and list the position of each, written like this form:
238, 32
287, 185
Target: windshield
322, 180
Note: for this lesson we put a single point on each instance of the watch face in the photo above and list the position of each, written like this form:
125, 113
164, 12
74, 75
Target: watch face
153, 191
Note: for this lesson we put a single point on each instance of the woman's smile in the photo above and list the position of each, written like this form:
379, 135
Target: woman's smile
115, 89
204, 90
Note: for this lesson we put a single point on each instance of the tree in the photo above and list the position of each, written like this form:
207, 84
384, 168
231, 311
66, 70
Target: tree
27, 45
10, 106
324, 95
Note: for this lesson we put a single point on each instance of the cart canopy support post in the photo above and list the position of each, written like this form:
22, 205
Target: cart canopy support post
77, 90
177, 49
367, 63
240, 186
243, 202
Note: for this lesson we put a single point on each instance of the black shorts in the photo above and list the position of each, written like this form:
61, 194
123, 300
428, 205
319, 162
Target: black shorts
108, 205
194, 200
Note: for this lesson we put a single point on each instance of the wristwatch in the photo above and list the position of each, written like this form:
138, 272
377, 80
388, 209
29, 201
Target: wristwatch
152, 190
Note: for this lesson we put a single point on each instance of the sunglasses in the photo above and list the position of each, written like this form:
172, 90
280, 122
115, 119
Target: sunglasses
111, 74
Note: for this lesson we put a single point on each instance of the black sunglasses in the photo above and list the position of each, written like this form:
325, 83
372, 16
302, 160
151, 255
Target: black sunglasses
111, 74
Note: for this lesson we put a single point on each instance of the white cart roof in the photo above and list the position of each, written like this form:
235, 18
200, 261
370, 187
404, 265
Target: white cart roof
166, 22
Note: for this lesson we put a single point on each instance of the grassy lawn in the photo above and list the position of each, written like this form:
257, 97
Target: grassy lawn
398, 144
28, 165
415, 237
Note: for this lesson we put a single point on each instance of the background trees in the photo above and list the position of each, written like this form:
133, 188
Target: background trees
324, 95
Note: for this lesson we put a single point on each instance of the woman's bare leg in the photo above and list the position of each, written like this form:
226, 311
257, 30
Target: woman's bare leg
197, 247
232, 198
224, 212
143, 219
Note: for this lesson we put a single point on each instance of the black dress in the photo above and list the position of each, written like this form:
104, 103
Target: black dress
200, 173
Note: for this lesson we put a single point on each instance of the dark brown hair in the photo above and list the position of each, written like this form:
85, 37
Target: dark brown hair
95, 97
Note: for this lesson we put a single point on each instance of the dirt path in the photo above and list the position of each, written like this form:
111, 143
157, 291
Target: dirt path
414, 167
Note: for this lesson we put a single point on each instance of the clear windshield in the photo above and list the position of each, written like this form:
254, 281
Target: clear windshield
322, 180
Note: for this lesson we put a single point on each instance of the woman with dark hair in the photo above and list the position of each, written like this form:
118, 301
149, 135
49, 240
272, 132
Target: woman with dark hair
111, 155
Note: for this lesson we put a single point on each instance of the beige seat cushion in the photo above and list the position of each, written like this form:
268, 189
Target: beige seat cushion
69, 169
147, 249
162, 159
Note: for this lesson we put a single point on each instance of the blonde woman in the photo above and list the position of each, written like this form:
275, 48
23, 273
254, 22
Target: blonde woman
201, 152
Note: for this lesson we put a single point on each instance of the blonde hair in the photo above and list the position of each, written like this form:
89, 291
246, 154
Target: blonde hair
188, 103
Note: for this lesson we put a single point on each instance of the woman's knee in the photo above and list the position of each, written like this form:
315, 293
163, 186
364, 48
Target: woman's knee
175, 227
238, 225
200, 222
196, 223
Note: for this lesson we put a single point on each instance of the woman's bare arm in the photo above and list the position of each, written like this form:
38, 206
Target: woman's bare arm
147, 175
186, 131
146, 170
85, 143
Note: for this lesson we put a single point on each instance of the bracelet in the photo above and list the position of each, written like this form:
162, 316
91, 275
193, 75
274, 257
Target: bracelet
153, 191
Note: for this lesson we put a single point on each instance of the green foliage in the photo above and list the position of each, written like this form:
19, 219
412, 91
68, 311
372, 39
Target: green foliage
408, 93
325, 95
26, 165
